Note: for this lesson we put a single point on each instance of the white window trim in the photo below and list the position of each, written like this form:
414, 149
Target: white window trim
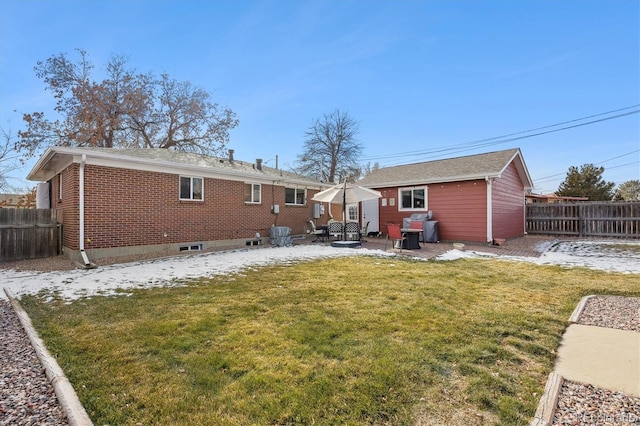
355, 207
191, 186
191, 247
412, 209
253, 184
295, 196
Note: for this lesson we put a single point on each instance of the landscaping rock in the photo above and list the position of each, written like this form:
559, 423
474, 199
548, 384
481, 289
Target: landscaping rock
26, 396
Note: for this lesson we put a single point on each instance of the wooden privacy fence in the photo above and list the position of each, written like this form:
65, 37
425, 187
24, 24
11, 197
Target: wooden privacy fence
585, 219
28, 234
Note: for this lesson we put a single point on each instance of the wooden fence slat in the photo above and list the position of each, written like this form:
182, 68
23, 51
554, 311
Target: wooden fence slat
585, 219
28, 234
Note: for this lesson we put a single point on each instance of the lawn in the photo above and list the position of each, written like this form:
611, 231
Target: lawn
347, 341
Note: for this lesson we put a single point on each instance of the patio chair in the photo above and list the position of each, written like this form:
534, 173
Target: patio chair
353, 231
320, 234
335, 229
363, 231
395, 235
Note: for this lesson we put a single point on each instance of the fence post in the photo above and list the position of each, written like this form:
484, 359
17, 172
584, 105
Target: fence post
581, 221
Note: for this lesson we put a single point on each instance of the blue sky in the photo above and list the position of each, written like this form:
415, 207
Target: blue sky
421, 77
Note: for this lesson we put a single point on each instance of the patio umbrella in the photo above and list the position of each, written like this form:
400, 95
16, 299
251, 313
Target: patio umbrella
346, 193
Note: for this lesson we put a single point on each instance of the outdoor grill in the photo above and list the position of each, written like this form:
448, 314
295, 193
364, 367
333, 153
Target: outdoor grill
429, 227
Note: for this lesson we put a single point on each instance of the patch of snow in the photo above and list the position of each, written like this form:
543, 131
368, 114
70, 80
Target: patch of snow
116, 279
601, 255
456, 254
174, 271
543, 246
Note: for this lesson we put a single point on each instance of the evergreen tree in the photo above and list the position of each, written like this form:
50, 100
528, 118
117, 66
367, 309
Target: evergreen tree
586, 182
628, 191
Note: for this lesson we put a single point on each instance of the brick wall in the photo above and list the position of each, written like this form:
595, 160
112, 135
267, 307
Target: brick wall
68, 205
131, 208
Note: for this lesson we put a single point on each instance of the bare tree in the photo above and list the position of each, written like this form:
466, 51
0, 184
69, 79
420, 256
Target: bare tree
8, 158
367, 169
187, 120
26, 200
126, 109
331, 149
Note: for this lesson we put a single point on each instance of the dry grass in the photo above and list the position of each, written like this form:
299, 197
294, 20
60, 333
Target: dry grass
341, 341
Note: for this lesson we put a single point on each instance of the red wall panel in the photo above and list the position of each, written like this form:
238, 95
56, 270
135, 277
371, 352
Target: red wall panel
459, 208
508, 205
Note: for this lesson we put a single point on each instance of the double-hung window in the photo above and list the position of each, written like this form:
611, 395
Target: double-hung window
295, 196
191, 188
413, 198
252, 193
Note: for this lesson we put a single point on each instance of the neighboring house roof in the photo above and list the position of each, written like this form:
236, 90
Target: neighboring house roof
10, 199
471, 167
56, 159
554, 197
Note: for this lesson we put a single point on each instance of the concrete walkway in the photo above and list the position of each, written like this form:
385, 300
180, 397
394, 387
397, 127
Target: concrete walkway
604, 357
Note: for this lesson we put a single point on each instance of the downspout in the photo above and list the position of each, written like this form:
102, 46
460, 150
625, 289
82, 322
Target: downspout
85, 259
489, 210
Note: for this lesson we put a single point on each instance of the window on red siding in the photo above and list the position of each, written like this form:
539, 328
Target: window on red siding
413, 198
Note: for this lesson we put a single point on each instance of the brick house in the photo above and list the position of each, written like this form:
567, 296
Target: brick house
115, 202
473, 198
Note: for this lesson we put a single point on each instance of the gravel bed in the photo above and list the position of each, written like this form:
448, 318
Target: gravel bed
618, 312
587, 405
26, 396
584, 404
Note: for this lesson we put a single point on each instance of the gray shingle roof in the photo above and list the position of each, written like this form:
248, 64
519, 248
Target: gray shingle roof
169, 159
470, 167
193, 159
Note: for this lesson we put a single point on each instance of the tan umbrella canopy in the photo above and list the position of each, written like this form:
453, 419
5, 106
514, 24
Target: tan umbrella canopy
346, 193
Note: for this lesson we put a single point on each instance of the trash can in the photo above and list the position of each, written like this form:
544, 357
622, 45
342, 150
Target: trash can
430, 231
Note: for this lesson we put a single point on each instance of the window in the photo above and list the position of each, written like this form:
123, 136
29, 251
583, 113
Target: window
252, 192
352, 212
191, 247
190, 188
413, 198
297, 196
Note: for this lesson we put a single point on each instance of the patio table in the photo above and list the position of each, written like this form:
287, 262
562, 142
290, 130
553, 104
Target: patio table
413, 238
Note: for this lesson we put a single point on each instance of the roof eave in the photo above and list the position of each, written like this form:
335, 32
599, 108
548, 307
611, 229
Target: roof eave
521, 167
433, 181
40, 173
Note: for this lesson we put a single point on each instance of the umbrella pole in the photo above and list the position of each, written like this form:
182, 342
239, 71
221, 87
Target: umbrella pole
344, 211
